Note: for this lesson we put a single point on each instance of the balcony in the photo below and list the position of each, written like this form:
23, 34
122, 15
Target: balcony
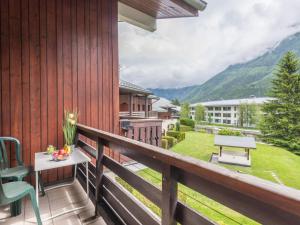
260, 200
133, 115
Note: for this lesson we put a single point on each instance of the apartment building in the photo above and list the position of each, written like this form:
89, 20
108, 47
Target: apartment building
225, 111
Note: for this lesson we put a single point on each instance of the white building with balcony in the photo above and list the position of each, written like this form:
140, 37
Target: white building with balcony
225, 111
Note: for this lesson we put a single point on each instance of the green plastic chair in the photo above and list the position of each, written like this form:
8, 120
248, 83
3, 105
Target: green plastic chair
14, 173
15, 191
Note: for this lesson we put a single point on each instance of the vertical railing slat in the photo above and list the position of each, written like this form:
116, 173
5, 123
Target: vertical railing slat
99, 172
169, 196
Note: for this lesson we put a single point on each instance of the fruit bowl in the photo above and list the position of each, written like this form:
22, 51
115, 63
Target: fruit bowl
60, 155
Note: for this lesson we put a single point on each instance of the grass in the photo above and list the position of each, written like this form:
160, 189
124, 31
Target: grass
265, 159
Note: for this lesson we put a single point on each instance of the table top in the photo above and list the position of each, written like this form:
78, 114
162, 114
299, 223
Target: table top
235, 141
43, 161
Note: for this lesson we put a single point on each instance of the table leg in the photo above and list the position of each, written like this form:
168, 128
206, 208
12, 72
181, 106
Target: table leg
87, 178
41, 184
75, 172
37, 187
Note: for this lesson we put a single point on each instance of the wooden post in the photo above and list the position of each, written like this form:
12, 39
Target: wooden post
248, 153
146, 107
130, 104
99, 173
169, 196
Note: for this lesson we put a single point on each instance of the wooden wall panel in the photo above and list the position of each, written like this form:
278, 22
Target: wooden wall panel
54, 56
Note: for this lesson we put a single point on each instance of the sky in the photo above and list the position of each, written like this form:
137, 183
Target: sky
189, 51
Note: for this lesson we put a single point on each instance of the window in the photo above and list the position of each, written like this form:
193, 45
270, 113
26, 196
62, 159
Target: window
192, 108
217, 121
211, 114
133, 107
217, 114
149, 108
139, 107
235, 115
234, 108
227, 121
226, 114
218, 108
210, 108
226, 108
144, 108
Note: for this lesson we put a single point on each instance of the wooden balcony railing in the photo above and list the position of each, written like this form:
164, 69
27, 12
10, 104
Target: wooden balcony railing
145, 130
135, 114
260, 200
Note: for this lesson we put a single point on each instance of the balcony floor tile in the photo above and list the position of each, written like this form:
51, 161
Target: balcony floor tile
56, 201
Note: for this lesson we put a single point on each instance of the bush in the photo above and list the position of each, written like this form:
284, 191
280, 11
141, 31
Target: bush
187, 122
171, 141
180, 136
177, 126
184, 128
164, 143
229, 132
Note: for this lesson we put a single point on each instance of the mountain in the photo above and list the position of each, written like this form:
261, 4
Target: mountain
172, 93
239, 80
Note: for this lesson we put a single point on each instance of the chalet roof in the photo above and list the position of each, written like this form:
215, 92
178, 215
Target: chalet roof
233, 102
144, 13
163, 104
127, 87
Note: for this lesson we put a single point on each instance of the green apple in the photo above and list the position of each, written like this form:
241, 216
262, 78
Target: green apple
50, 149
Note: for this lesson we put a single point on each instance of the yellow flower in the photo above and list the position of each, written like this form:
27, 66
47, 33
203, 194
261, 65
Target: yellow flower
73, 122
71, 115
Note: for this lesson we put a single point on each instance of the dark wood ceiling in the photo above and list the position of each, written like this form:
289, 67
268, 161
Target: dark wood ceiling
163, 8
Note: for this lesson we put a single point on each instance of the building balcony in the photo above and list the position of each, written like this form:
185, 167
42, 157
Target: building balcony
110, 203
132, 115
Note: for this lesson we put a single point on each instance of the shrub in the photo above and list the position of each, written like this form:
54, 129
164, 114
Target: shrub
229, 132
171, 141
187, 122
180, 136
177, 126
184, 128
164, 143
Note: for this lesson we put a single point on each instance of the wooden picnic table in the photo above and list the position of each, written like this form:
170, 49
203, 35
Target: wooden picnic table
236, 142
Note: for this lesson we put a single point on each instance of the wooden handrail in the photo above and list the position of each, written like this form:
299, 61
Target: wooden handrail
261, 200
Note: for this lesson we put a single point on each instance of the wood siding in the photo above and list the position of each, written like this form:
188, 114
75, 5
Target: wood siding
54, 56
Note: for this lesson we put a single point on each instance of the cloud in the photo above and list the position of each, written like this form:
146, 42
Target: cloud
189, 51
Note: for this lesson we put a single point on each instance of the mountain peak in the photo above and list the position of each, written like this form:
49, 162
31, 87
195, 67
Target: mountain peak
240, 80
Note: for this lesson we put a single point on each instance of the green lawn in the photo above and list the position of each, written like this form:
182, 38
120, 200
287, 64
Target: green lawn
265, 159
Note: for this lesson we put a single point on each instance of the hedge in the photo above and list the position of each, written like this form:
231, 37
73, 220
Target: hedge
177, 126
164, 143
180, 136
187, 122
171, 141
229, 132
184, 128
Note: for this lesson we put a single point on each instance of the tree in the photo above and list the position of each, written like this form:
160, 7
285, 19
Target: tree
210, 120
175, 101
247, 114
185, 111
281, 117
199, 113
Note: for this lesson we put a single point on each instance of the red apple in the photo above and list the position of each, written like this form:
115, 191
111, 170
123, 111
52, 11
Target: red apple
61, 152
